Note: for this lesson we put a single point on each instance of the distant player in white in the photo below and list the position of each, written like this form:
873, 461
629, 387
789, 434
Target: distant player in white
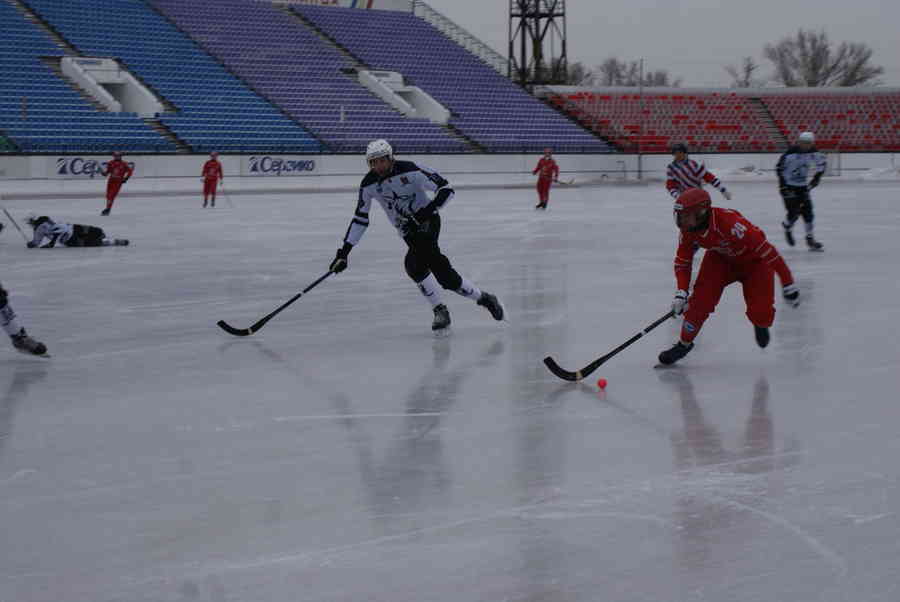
20, 339
402, 189
70, 235
793, 173
684, 173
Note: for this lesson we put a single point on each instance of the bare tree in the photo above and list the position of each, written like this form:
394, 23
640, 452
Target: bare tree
809, 59
579, 75
742, 75
616, 72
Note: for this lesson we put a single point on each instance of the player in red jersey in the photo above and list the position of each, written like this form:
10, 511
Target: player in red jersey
737, 251
684, 173
118, 172
548, 171
211, 174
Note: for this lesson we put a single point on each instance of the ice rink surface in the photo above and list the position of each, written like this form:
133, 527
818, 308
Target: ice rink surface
344, 454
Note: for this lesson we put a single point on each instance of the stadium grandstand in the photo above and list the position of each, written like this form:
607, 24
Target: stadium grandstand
250, 76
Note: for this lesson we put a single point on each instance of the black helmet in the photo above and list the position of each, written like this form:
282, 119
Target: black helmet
679, 147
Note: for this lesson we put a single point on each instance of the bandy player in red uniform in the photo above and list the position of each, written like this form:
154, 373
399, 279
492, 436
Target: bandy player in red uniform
737, 251
211, 174
548, 172
684, 173
117, 172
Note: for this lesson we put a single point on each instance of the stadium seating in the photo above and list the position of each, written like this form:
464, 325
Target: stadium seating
41, 113
485, 106
707, 122
287, 62
216, 111
842, 121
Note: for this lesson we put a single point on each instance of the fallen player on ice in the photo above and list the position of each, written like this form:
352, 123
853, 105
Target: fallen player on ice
70, 235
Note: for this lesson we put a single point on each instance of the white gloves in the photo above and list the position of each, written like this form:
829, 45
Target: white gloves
679, 303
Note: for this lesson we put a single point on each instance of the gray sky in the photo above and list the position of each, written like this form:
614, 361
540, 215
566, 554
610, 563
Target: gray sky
694, 39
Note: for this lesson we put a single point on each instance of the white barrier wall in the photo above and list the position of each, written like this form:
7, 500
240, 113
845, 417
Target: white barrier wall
487, 167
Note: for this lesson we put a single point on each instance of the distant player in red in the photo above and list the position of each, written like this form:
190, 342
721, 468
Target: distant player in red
737, 251
548, 171
211, 174
684, 173
118, 172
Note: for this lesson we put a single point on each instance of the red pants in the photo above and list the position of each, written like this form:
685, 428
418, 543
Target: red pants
715, 274
209, 188
112, 190
543, 189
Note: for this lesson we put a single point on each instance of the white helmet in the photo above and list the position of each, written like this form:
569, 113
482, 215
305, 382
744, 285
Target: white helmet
379, 148
807, 137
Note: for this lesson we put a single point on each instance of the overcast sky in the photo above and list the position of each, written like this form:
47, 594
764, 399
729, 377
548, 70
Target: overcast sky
694, 39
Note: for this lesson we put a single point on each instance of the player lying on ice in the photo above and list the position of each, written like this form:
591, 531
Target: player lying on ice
402, 189
737, 251
70, 235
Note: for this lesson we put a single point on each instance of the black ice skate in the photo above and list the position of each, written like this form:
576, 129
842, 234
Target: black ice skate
104, 212
492, 304
675, 353
540, 206
762, 336
789, 236
204, 204
441, 321
121, 242
24, 343
813, 244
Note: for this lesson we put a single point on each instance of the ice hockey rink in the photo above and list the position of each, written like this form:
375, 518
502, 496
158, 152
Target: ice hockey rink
345, 454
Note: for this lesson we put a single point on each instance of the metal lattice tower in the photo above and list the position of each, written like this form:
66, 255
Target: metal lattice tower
537, 42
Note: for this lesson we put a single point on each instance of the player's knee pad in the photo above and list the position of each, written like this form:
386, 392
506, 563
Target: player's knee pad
416, 268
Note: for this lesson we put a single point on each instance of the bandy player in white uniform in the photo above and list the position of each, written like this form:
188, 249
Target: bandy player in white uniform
401, 188
20, 338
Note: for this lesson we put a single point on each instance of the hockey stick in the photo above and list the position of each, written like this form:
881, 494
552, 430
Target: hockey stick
15, 224
244, 332
227, 196
576, 376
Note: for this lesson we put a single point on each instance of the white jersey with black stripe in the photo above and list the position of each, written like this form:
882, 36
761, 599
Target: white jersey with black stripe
408, 188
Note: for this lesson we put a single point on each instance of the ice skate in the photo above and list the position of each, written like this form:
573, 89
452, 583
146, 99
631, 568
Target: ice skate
205, 203
813, 244
762, 336
789, 236
105, 211
121, 242
675, 353
25, 344
441, 324
492, 304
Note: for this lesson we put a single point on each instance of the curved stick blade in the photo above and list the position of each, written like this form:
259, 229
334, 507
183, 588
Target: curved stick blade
559, 372
238, 332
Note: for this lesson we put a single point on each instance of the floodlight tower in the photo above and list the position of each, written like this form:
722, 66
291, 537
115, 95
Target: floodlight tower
537, 42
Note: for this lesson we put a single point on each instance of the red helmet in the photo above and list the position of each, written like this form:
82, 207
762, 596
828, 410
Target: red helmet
693, 201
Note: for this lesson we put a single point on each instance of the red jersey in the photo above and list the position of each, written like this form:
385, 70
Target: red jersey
731, 235
212, 170
548, 169
681, 175
118, 170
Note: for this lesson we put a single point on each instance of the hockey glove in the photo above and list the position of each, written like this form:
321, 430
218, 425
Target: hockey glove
791, 295
339, 263
679, 303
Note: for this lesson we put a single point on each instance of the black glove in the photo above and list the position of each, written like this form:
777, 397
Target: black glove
791, 295
339, 263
